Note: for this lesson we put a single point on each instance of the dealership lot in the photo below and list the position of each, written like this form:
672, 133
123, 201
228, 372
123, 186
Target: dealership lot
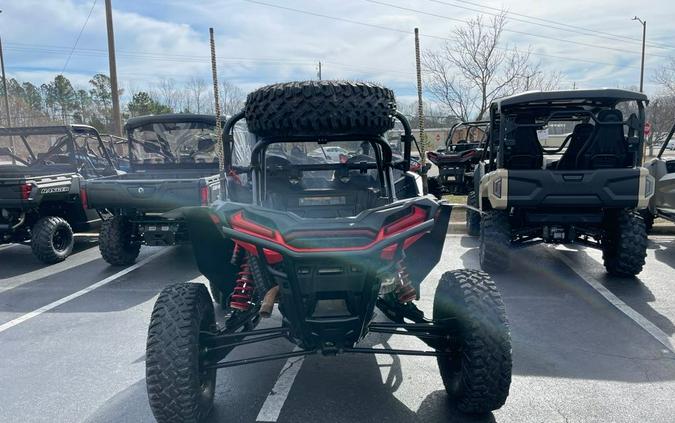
586, 347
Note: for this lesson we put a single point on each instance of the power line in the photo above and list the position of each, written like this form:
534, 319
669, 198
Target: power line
351, 21
77, 40
529, 34
601, 34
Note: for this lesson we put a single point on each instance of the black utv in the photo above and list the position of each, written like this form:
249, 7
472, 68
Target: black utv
173, 162
588, 190
328, 241
41, 170
458, 158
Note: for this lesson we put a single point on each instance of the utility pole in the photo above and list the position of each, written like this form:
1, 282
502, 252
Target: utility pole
6, 96
116, 116
420, 112
642, 64
319, 73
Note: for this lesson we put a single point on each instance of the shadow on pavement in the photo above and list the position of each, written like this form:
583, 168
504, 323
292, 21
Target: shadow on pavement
562, 328
19, 259
664, 251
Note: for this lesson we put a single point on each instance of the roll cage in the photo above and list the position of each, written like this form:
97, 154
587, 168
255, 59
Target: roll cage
383, 157
541, 108
69, 133
482, 125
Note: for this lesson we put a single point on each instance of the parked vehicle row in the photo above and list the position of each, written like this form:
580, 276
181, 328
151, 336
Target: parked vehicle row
311, 210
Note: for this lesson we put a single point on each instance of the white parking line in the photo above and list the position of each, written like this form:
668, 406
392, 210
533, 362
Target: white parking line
7, 246
75, 260
79, 293
642, 321
277, 397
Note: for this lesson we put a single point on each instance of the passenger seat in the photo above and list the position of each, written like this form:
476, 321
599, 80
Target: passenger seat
580, 136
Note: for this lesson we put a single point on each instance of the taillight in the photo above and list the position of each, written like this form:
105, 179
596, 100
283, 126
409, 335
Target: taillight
239, 223
272, 257
26, 190
204, 196
417, 216
83, 198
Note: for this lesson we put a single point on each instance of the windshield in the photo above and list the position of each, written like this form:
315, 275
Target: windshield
182, 142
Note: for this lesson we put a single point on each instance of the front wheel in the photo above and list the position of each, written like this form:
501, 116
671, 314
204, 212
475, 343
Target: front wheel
476, 371
52, 239
180, 387
624, 247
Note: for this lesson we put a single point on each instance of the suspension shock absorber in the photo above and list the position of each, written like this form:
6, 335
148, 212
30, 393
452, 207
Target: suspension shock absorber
405, 292
242, 295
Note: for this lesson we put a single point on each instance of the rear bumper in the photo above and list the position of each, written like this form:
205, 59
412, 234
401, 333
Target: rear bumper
606, 188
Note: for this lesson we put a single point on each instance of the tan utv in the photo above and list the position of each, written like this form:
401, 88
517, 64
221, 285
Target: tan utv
587, 188
662, 168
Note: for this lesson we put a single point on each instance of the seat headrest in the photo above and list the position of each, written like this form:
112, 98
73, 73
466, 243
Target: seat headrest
583, 129
610, 116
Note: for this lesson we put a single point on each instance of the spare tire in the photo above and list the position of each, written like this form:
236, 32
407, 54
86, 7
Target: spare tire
315, 108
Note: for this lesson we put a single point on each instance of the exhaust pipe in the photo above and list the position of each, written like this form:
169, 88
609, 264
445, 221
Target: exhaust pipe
268, 302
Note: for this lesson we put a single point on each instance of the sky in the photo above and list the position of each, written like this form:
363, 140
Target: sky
593, 44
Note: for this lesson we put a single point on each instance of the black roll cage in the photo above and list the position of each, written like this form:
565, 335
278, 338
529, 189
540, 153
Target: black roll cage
666, 141
383, 156
68, 134
499, 130
469, 125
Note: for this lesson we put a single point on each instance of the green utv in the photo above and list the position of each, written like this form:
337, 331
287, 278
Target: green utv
330, 238
587, 188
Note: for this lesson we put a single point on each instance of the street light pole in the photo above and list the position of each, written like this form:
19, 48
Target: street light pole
642, 65
116, 117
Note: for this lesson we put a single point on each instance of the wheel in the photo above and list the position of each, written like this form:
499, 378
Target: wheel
434, 187
179, 388
117, 243
472, 217
477, 371
320, 107
495, 241
624, 248
52, 239
648, 217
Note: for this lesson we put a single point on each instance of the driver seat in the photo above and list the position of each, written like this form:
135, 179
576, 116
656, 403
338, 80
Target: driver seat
580, 136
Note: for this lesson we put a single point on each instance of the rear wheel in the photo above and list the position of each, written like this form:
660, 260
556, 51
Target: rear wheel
495, 241
477, 370
52, 239
180, 388
624, 248
117, 243
472, 217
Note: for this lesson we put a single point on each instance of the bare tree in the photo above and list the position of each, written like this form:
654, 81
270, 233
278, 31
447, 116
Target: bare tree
169, 94
232, 98
195, 95
665, 76
472, 70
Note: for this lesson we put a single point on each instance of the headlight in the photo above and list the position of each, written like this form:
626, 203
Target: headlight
497, 187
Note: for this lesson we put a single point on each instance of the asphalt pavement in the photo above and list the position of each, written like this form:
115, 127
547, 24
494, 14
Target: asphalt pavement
586, 347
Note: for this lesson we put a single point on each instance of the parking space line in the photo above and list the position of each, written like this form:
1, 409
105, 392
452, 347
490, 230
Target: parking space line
271, 409
81, 292
642, 321
6, 246
75, 260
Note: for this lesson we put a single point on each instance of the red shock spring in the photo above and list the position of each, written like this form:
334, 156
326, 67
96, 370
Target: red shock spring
404, 289
243, 290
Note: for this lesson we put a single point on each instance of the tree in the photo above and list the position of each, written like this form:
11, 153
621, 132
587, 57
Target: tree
168, 94
474, 69
665, 76
195, 96
143, 104
101, 98
231, 98
61, 97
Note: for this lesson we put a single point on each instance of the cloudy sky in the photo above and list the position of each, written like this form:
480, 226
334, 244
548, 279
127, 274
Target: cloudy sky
593, 44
